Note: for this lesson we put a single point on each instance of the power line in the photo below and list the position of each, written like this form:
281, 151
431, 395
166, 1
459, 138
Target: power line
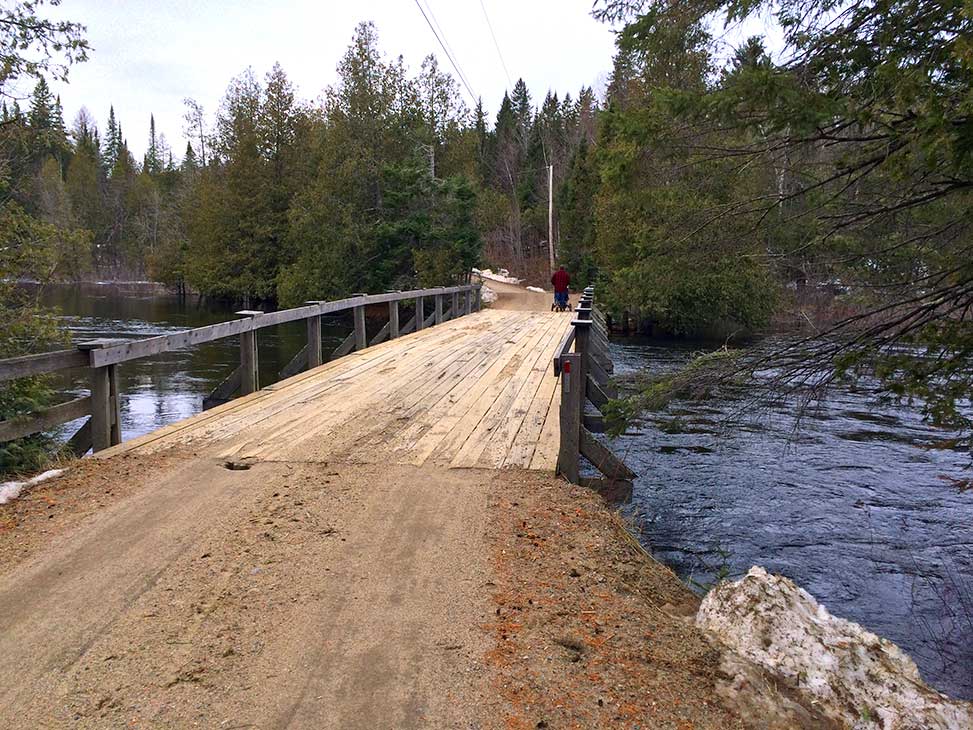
448, 55
442, 34
496, 45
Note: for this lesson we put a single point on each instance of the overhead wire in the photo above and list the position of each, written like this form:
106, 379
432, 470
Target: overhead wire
496, 45
449, 56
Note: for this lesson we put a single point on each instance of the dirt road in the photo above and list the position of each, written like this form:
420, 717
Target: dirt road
288, 595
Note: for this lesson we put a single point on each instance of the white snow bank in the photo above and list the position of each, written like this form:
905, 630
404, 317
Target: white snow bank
12, 490
487, 295
851, 675
503, 276
536, 289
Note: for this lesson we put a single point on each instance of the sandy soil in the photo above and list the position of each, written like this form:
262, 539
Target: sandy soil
172, 592
517, 298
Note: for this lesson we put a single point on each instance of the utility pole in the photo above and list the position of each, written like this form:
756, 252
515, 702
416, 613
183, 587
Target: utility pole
550, 214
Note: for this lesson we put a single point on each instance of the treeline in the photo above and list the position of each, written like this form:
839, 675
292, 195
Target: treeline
391, 182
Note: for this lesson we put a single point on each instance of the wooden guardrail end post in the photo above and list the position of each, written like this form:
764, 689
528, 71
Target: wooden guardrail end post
106, 418
572, 401
249, 359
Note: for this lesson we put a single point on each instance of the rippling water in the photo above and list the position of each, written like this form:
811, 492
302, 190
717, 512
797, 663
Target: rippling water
854, 507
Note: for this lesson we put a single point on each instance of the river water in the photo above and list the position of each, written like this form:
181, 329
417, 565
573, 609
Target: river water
855, 509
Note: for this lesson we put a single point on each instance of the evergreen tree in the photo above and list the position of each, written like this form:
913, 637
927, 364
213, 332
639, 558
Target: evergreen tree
113, 141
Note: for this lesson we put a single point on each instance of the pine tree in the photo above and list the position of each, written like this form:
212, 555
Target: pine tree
189, 163
152, 161
41, 114
109, 153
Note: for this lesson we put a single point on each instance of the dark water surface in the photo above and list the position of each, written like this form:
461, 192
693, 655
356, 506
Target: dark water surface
171, 386
854, 507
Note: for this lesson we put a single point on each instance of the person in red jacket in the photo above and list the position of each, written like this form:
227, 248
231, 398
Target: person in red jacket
560, 279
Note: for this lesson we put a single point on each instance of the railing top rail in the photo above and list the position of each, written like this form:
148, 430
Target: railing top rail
567, 342
111, 354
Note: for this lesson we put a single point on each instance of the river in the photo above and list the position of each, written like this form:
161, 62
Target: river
856, 508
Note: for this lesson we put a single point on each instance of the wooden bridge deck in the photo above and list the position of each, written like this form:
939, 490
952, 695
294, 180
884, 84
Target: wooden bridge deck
477, 391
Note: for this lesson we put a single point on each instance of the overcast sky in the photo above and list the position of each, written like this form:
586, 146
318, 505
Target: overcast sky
149, 55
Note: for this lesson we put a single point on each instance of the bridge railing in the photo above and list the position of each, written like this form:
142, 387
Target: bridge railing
102, 357
583, 363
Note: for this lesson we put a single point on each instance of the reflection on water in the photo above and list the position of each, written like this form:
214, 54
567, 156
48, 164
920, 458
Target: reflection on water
165, 388
855, 508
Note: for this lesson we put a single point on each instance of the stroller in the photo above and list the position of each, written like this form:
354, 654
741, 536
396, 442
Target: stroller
560, 302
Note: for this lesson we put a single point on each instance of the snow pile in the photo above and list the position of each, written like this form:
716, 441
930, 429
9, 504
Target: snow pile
503, 276
12, 490
536, 289
487, 295
850, 675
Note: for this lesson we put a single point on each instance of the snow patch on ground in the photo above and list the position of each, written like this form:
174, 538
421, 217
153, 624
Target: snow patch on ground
536, 289
851, 675
487, 295
12, 490
502, 276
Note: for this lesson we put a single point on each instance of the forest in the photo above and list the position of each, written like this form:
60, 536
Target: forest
824, 185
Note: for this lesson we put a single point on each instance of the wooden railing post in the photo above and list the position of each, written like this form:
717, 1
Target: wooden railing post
467, 301
439, 309
420, 313
478, 297
249, 361
393, 319
572, 403
314, 355
360, 338
106, 412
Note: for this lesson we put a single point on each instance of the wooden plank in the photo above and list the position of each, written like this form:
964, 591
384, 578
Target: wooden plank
393, 319
509, 384
297, 363
611, 490
44, 420
381, 336
80, 443
223, 392
346, 346
594, 422
46, 362
603, 459
454, 426
506, 432
563, 348
596, 394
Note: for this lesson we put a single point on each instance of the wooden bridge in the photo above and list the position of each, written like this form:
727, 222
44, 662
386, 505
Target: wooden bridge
444, 388
397, 410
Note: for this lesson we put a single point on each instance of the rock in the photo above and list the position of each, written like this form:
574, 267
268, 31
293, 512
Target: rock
850, 675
